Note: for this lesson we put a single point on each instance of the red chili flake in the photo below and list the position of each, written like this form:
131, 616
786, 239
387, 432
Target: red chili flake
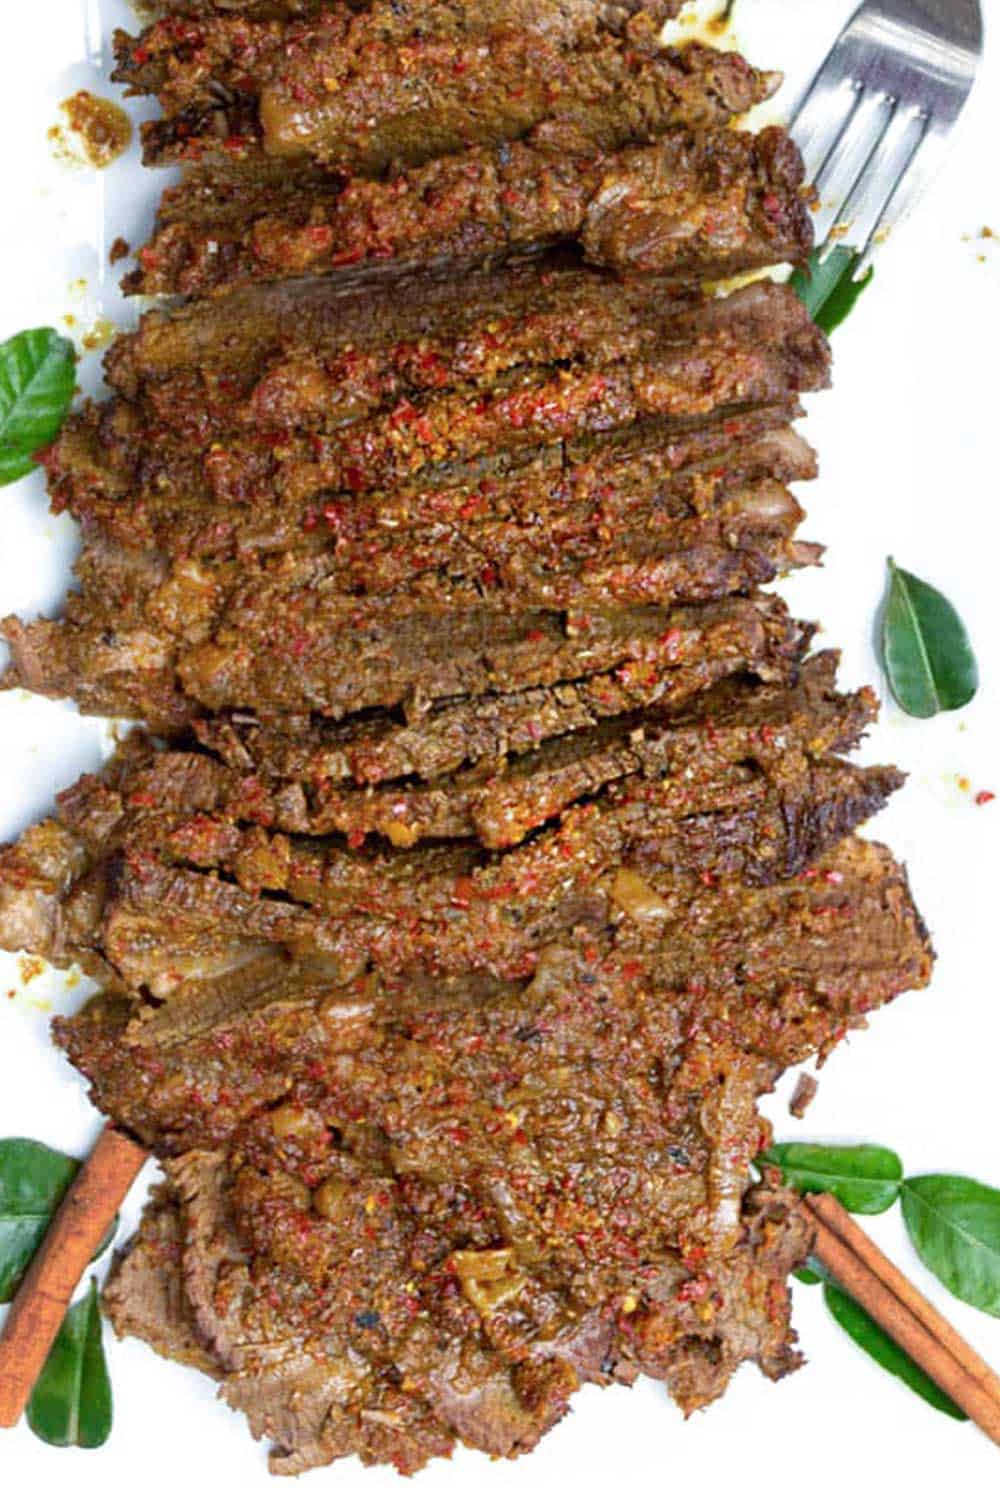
982, 798
44, 456
355, 838
464, 892
321, 235
693, 1290
500, 892
348, 257
310, 521
772, 204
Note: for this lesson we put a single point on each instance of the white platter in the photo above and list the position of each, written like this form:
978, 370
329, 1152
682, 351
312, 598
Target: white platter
907, 446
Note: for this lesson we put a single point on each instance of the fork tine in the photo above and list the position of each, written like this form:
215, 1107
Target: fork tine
870, 195
873, 123
850, 158
921, 167
825, 113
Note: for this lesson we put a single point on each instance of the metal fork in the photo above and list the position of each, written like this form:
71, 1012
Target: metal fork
873, 124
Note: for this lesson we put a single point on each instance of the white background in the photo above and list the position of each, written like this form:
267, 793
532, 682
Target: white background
908, 442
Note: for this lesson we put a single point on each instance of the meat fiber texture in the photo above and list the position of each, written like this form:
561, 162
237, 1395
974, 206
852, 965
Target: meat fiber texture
361, 90
717, 204
558, 493
482, 1118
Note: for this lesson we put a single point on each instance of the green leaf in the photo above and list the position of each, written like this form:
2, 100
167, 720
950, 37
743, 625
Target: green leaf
865, 1332
828, 287
33, 1180
812, 1273
866, 1179
37, 377
71, 1404
954, 1223
925, 648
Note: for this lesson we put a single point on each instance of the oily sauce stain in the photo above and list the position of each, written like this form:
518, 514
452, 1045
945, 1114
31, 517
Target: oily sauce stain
101, 129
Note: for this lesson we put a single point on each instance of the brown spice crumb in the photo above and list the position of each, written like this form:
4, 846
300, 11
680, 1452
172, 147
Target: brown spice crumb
806, 1089
100, 336
30, 968
100, 130
120, 249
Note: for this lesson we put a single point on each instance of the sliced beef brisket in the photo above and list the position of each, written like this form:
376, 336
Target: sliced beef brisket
502, 853
670, 476
738, 720
473, 1385
713, 205
359, 90
783, 969
283, 665
312, 426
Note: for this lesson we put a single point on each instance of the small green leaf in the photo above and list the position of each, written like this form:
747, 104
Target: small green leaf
925, 648
954, 1223
828, 287
866, 1179
71, 1404
33, 1180
812, 1273
37, 377
865, 1332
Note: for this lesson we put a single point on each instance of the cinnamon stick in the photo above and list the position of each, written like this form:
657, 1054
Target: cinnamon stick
895, 1304
73, 1237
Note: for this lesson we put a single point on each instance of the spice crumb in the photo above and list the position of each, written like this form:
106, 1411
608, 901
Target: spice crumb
95, 134
806, 1089
120, 250
983, 798
30, 968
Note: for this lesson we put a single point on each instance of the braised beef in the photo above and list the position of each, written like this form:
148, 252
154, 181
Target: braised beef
714, 205
408, 82
501, 852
